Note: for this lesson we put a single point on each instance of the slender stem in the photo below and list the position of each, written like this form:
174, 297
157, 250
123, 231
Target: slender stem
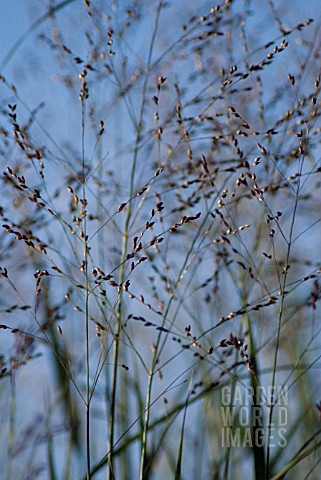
124, 251
272, 399
12, 425
87, 286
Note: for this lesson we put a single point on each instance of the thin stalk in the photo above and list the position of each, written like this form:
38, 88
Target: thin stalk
178, 470
12, 425
124, 251
280, 318
87, 286
158, 349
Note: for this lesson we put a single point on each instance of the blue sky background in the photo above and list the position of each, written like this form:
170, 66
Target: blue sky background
34, 71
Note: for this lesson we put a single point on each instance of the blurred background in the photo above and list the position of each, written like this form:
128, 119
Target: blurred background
192, 131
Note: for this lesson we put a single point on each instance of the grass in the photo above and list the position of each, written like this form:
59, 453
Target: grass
159, 257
